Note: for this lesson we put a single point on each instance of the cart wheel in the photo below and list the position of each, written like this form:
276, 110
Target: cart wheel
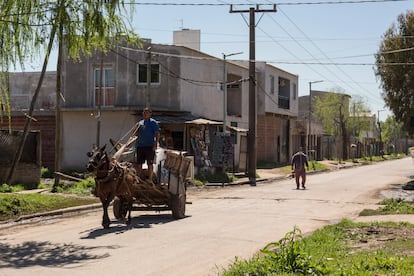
178, 206
119, 207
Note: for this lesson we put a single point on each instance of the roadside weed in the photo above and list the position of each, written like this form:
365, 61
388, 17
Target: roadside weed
345, 248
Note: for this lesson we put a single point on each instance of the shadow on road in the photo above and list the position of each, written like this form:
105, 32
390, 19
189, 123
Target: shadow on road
45, 254
119, 227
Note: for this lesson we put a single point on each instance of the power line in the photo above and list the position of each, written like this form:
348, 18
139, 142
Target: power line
167, 54
329, 59
262, 4
167, 71
341, 63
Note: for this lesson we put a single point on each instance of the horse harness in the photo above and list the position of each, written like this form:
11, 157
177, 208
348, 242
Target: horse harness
115, 172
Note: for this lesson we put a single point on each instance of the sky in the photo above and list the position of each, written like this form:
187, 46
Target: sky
332, 41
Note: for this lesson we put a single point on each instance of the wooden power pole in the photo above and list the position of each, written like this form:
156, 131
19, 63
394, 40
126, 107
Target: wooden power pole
251, 137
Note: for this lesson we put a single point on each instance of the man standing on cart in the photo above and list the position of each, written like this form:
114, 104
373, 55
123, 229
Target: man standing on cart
148, 135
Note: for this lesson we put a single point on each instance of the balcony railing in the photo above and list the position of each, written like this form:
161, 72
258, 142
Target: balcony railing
284, 102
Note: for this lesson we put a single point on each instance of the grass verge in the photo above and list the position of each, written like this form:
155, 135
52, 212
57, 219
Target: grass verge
15, 205
390, 206
345, 248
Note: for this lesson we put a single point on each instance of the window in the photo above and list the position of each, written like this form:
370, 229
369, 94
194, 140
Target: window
295, 91
234, 96
272, 85
142, 73
284, 93
105, 95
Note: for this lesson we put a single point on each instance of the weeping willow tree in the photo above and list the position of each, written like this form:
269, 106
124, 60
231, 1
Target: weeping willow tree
4, 99
32, 29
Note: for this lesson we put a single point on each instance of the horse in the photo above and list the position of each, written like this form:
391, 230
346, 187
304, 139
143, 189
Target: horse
112, 178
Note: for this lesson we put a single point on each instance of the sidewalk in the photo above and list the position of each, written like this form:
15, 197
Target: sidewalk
274, 174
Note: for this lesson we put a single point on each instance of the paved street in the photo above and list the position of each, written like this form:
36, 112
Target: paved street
221, 223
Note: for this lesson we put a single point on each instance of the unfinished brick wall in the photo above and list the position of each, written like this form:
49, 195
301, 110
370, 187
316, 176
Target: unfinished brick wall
268, 129
28, 170
46, 125
26, 173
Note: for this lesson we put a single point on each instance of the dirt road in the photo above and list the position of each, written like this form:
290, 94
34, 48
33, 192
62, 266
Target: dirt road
222, 223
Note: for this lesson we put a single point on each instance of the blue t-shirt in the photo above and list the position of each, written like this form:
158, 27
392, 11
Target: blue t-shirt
146, 133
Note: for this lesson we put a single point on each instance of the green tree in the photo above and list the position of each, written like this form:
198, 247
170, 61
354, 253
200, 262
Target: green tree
394, 67
358, 121
392, 131
31, 28
332, 110
342, 116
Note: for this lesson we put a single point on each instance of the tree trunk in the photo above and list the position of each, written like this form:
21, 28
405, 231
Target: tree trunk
19, 152
57, 111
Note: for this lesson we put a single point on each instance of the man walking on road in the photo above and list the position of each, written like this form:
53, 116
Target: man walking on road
298, 163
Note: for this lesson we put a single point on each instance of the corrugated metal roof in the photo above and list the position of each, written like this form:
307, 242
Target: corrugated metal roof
190, 119
174, 119
201, 121
238, 129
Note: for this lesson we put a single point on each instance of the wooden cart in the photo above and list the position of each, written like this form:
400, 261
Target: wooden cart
169, 193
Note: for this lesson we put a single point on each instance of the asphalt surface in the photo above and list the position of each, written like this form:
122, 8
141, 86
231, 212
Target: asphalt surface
222, 222
265, 175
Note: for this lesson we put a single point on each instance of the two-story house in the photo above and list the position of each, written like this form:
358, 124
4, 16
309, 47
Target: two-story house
277, 109
103, 96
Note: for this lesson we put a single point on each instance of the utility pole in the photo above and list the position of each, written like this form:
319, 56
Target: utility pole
100, 101
310, 144
251, 137
148, 96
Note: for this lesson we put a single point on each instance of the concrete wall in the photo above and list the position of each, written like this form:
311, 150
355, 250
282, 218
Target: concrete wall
188, 38
23, 86
206, 99
80, 133
79, 79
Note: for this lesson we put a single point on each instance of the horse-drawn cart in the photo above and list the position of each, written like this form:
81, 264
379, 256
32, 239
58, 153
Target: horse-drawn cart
168, 193
116, 179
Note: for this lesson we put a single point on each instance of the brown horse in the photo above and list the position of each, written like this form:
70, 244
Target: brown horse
112, 178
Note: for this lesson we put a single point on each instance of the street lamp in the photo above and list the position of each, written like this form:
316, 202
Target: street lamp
310, 114
225, 88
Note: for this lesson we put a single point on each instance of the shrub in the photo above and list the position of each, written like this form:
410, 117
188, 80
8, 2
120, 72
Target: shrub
46, 173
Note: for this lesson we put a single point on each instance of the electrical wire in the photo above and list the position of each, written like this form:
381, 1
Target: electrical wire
168, 71
336, 65
262, 4
305, 63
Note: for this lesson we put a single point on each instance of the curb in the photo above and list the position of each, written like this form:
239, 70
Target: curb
60, 212
27, 219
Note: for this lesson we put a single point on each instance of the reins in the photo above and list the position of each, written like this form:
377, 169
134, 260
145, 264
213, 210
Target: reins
114, 171
120, 139
108, 172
